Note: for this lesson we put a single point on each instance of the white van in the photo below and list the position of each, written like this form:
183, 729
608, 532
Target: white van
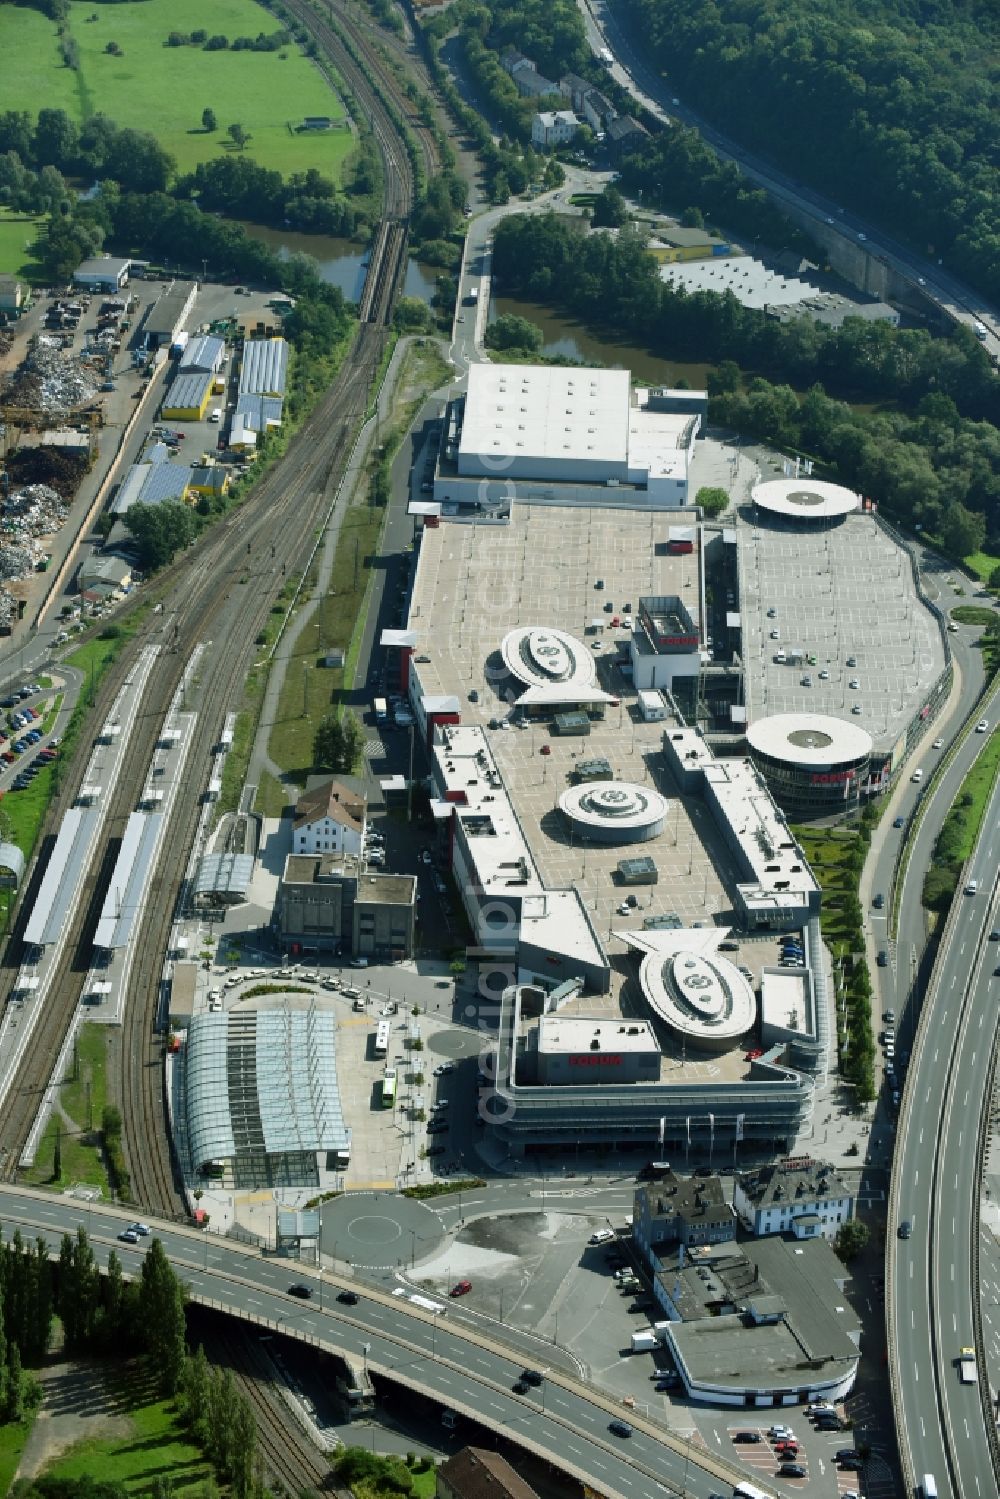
780, 658
929, 1487
602, 1236
917, 775
216, 414
972, 887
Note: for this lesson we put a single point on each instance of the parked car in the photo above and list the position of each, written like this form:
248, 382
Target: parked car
748, 1437
791, 1470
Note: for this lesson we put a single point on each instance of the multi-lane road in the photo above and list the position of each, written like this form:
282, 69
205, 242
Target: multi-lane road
469, 1372
936, 1191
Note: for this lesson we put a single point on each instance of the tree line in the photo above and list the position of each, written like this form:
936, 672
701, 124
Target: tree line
107, 1316
37, 156
892, 109
902, 416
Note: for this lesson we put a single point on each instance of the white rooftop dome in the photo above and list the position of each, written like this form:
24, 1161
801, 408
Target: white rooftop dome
806, 499
699, 994
614, 811
541, 657
810, 740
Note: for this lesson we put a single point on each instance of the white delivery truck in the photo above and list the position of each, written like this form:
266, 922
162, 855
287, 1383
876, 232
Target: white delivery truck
644, 1342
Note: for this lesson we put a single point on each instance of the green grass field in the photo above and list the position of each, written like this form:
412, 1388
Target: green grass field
17, 232
154, 1446
12, 1440
164, 89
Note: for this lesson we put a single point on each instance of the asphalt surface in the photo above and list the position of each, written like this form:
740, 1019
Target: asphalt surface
471, 1377
937, 1191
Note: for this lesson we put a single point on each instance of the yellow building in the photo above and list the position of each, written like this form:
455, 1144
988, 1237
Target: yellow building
210, 479
187, 399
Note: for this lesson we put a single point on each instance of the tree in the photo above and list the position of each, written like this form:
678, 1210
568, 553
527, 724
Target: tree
610, 210
161, 1310
962, 531
337, 743
209, 121
712, 500
161, 530
852, 1237
114, 50
412, 315
239, 136
509, 331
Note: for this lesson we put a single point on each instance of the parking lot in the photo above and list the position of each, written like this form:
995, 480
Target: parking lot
475, 583
844, 595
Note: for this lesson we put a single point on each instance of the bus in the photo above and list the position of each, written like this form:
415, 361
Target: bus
746, 1490
382, 1038
389, 1088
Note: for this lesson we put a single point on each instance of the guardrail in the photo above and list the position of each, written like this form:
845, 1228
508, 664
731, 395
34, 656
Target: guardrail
987, 698
892, 1214
985, 1393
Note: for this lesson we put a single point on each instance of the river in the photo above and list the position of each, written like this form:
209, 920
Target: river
570, 339
341, 262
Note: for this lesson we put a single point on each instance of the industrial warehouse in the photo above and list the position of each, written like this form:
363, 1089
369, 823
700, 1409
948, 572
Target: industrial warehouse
554, 436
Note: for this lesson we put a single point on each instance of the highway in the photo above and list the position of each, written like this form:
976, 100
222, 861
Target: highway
936, 1188
467, 1371
633, 71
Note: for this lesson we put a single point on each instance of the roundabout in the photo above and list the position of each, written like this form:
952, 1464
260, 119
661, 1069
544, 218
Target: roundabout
378, 1230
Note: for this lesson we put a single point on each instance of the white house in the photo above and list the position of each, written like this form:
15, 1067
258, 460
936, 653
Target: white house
553, 127
329, 819
597, 110
802, 1197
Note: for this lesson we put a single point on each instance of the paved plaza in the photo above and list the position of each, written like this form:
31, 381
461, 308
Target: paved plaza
844, 591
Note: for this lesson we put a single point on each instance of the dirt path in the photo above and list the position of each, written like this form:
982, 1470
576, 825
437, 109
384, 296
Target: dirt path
79, 1403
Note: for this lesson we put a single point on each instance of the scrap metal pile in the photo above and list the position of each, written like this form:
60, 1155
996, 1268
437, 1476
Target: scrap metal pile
26, 515
50, 380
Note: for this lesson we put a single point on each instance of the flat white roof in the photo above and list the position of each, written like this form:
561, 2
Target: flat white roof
567, 1034
784, 998
810, 740
550, 918
552, 413
805, 498
656, 442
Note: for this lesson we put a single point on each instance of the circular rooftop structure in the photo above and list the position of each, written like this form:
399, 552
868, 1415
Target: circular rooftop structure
805, 499
540, 657
809, 740
701, 996
815, 765
614, 811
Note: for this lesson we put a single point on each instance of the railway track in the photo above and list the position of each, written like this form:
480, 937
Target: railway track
219, 594
292, 1464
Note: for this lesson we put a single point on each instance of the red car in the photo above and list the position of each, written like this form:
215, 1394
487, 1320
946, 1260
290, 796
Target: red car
787, 1449
754, 1053
546, 749
462, 1289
